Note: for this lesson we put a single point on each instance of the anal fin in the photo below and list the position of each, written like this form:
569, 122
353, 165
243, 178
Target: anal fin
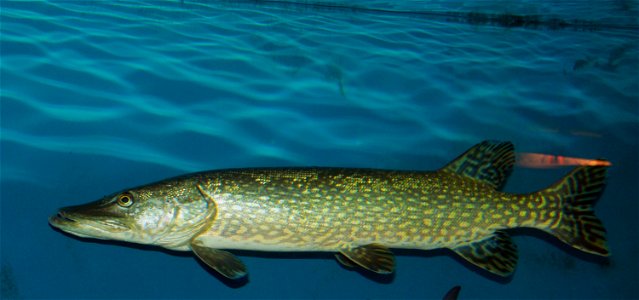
219, 260
373, 257
496, 254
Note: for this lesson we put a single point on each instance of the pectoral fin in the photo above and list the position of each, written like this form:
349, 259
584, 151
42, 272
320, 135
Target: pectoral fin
221, 261
496, 254
373, 257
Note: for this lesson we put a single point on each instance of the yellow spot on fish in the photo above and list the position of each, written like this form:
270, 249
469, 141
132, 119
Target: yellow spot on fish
264, 227
542, 203
479, 217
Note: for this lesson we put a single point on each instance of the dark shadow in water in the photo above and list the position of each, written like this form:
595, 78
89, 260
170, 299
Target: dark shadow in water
506, 20
9, 288
619, 56
333, 72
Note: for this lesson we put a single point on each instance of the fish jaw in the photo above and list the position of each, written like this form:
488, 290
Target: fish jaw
88, 221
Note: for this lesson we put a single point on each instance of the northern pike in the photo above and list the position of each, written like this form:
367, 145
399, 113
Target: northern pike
359, 214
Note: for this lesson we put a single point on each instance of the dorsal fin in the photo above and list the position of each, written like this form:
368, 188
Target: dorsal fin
489, 162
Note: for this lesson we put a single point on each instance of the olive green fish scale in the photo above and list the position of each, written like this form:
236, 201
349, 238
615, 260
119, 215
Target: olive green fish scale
328, 209
358, 212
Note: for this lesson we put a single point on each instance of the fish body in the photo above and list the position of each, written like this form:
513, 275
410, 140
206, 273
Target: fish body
357, 213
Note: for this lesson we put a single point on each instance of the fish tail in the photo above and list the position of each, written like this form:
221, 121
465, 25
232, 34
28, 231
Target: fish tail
577, 224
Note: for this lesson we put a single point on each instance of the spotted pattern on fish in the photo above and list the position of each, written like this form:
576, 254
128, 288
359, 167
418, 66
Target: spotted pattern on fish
327, 209
358, 213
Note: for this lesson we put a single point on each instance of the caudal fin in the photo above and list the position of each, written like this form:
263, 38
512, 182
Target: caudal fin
578, 226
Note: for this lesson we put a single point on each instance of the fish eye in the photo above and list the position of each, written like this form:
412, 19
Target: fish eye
125, 200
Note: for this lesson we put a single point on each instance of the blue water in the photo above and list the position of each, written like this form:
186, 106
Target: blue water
98, 96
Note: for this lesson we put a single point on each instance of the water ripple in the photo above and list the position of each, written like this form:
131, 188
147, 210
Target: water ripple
106, 146
271, 83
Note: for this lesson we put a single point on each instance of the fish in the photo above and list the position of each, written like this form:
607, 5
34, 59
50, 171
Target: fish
453, 293
358, 214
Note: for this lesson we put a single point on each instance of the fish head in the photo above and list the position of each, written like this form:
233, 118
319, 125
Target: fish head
166, 215
111, 218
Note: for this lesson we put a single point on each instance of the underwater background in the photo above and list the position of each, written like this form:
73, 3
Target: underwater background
99, 96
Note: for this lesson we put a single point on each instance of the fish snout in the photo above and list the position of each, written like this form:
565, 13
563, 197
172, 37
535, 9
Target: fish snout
61, 216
